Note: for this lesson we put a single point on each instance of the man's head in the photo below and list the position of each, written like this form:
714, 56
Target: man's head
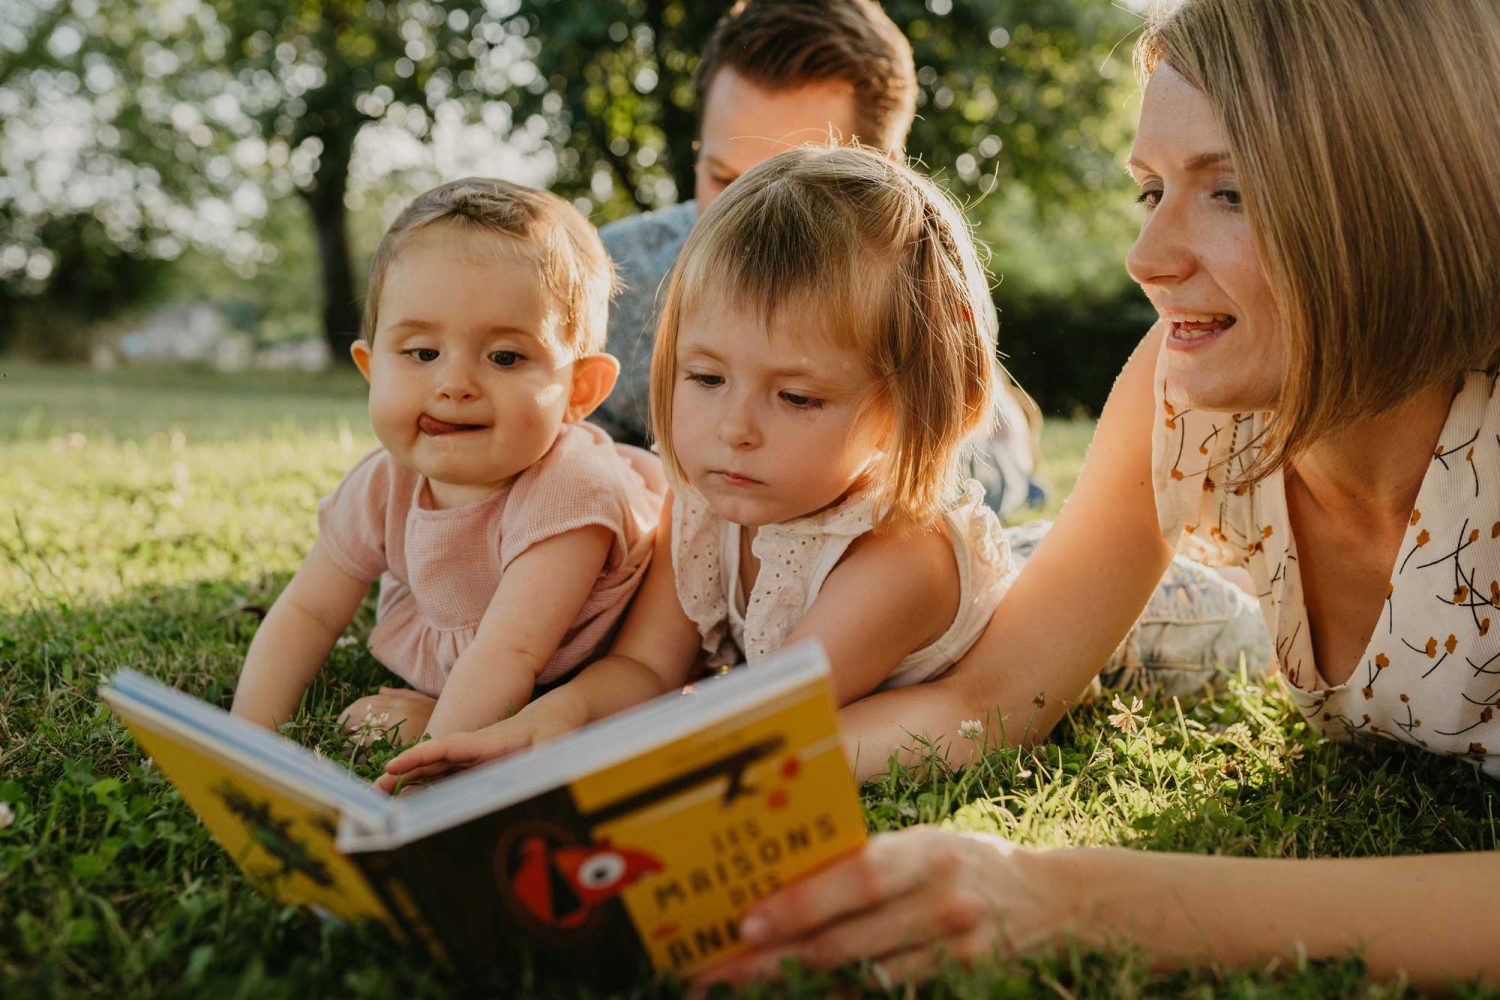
779, 73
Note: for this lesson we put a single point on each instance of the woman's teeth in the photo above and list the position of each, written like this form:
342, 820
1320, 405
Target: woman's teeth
1192, 326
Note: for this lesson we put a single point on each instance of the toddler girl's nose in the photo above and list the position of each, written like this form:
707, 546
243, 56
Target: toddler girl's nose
737, 427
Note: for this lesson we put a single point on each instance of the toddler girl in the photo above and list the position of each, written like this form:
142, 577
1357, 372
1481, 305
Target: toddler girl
826, 346
508, 536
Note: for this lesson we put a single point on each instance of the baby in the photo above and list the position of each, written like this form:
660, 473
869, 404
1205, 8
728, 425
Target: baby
507, 534
826, 346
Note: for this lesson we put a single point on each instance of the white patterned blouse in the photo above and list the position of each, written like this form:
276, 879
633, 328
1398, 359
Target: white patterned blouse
1430, 675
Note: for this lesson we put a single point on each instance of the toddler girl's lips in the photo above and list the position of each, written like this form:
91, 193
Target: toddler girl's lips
733, 479
435, 427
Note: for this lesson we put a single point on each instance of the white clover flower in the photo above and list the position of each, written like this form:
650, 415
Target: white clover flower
7, 815
1129, 715
345, 641
971, 729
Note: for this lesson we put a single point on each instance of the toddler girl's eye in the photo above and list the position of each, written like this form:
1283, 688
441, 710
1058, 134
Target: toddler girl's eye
422, 353
506, 359
800, 401
709, 381
1229, 196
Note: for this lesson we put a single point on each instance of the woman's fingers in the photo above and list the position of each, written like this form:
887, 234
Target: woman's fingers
889, 866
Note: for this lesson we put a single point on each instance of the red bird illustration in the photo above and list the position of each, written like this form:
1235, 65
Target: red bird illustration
562, 885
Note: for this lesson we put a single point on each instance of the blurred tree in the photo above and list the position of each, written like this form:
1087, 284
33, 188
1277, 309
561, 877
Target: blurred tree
1010, 90
311, 73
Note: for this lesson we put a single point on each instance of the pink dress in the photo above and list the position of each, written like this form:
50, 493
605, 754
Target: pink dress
439, 569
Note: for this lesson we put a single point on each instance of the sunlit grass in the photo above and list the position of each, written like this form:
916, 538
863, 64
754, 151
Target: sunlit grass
147, 519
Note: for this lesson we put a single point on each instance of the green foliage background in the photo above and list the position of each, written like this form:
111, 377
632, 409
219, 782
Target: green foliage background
1025, 110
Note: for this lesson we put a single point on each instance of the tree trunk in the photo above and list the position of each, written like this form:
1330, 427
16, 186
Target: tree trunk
341, 312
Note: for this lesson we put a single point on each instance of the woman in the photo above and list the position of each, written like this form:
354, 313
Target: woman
1321, 184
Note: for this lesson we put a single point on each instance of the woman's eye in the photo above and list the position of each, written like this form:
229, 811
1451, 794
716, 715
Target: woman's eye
1150, 198
802, 402
709, 381
506, 359
421, 353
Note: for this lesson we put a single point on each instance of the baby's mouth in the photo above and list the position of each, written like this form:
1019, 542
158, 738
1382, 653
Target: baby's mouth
434, 427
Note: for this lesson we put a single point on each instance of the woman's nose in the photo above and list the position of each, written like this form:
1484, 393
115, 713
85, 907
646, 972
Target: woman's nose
1162, 253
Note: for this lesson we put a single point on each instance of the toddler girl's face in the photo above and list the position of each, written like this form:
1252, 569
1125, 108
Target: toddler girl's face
469, 384
768, 423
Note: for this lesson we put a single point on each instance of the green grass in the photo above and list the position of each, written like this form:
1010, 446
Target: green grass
147, 519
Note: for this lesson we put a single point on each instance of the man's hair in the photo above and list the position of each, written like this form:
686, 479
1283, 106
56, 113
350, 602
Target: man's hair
570, 259
862, 250
786, 44
1364, 137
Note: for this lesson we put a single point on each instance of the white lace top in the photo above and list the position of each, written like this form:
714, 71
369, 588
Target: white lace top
797, 556
1430, 675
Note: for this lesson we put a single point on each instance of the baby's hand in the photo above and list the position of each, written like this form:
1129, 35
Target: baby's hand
458, 751
398, 714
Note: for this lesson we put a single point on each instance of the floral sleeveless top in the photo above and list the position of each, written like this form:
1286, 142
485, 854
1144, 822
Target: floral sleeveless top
1430, 675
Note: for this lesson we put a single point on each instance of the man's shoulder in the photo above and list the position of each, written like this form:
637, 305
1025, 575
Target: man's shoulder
650, 234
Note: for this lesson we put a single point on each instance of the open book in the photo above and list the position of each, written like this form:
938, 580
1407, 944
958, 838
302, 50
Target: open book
649, 833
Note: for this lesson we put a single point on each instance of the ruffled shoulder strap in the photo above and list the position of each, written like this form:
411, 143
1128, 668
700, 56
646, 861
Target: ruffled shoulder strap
698, 566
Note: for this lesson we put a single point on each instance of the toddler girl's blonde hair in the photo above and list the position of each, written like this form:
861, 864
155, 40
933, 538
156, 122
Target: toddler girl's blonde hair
861, 249
570, 258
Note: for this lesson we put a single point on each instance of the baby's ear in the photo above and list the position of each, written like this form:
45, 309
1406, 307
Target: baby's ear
360, 352
594, 376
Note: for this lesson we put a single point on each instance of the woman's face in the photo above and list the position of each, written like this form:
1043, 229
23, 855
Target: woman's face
1195, 257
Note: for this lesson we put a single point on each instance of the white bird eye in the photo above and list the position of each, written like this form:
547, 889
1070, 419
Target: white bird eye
601, 871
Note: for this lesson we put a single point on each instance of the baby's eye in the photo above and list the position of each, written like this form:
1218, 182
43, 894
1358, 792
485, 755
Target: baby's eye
423, 354
801, 401
506, 359
703, 379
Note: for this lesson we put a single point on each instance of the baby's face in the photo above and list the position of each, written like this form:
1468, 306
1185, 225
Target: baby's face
769, 424
469, 380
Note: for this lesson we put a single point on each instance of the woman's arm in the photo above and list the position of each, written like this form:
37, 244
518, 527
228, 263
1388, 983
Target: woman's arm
911, 897
539, 596
1066, 612
292, 643
653, 653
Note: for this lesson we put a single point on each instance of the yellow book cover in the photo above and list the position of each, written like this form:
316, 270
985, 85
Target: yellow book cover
637, 841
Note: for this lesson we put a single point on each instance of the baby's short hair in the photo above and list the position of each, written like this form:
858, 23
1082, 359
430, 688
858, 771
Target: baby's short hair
570, 258
863, 250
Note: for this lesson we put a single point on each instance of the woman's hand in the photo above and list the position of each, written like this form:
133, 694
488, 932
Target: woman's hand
532, 725
906, 901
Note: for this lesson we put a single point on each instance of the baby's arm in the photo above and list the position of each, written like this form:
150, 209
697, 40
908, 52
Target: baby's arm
292, 643
653, 654
890, 596
539, 596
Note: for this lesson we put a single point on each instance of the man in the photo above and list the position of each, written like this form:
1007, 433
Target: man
779, 73
773, 75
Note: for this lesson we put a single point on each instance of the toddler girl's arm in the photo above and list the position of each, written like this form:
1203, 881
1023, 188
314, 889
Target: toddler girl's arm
890, 596
653, 653
539, 597
291, 644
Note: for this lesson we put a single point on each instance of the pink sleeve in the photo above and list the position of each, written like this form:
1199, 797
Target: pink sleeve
583, 481
352, 519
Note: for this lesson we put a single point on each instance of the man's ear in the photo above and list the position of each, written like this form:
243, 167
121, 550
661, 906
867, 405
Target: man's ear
594, 376
360, 352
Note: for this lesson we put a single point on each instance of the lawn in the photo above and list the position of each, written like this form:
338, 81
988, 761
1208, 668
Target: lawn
148, 519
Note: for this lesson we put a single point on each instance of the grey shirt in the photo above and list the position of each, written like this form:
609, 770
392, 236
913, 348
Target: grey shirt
644, 248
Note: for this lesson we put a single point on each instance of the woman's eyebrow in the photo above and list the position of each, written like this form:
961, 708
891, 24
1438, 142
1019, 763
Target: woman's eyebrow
1192, 164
